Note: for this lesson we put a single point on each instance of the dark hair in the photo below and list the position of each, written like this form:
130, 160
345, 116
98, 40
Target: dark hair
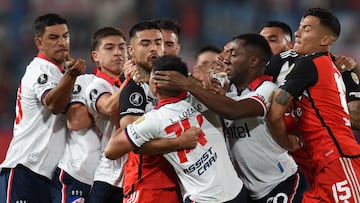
278, 24
210, 47
105, 32
168, 24
259, 43
327, 19
146, 25
167, 62
46, 20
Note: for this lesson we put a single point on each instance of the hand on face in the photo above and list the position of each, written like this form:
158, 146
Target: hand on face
171, 80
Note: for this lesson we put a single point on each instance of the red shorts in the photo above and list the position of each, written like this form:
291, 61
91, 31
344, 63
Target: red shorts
338, 181
154, 196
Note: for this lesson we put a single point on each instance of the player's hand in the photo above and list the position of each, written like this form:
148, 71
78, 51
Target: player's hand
344, 63
296, 142
216, 87
172, 80
189, 138
219, 65
203, 73
129, 68
75, 66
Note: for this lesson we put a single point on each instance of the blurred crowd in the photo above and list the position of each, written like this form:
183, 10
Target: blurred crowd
203, 22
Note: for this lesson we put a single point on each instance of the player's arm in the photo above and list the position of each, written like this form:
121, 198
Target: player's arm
78, 117
187, 140
56, 100
108, 104
354, 111
275, 118
118, 145
220, 104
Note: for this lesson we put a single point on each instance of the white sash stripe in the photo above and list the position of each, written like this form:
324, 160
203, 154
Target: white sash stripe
291, 198
355, 180
348, 171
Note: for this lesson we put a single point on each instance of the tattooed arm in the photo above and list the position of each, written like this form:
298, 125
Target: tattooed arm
275, 117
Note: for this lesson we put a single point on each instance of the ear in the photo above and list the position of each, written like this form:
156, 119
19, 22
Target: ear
290, 45
178, 48
38, 42
326, 40
254, 61
131, 51
94, 56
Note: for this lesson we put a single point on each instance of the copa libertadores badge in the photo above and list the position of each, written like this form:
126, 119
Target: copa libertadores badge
136, 99
43, 78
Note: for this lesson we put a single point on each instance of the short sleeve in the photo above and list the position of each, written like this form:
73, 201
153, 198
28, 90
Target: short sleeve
132, 100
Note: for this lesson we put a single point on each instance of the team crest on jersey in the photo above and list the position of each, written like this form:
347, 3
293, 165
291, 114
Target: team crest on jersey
76, 89
136, 99
42, 79
93, 94
355, 78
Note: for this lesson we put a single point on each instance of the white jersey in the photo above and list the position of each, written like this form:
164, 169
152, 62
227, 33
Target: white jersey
262, 164
109, 171
82, 149
206, 172
39, 135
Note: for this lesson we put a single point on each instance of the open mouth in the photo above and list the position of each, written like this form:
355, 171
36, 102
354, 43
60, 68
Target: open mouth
154, 57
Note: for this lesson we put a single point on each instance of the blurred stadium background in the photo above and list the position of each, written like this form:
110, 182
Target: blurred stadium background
203, 22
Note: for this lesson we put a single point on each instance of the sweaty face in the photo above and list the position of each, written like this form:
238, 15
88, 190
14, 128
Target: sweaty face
54, 43
145, 47
277, 39
111, 54
309, 36
237, 61
171, 43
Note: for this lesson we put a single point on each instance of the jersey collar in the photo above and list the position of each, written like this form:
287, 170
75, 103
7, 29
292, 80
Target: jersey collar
170, 100
42, 56
257, 82
108, 78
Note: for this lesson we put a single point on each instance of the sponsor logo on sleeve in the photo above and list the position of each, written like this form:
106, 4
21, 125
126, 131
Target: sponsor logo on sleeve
76, 89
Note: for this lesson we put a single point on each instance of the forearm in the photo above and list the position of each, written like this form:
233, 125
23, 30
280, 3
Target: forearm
354, 111
278, 130
58, 98
275, 118
226, 107
78, 117
159, 146
118, 145
111, 105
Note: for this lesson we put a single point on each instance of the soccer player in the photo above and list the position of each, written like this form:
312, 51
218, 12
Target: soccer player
279, 36
276, 176
74, 175
109, 52
207, 55
317, 89
170, 31
143, 172
205, 171
39, 127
